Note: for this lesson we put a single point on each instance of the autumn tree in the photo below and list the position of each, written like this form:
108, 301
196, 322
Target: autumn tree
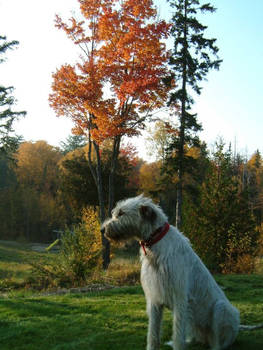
31, 206
149, 179
7, 114
77, 184
159, 138
38, 182
193, 56
37, 166
110, 92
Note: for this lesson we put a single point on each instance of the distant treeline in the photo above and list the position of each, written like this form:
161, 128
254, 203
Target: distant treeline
44, 189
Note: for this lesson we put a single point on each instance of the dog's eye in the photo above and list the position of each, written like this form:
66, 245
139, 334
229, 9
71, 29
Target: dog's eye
120, 213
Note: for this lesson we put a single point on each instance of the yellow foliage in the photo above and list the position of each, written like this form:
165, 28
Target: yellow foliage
37, 165
239, 260
149, 176
193, 152
92, 238
260, 240
78, 258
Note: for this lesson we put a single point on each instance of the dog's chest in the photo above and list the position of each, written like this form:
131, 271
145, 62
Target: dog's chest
154, 279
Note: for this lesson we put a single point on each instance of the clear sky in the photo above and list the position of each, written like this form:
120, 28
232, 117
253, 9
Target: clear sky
230, 103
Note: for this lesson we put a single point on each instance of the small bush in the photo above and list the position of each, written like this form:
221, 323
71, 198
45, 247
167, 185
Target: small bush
240, 255
78, 258
9, 283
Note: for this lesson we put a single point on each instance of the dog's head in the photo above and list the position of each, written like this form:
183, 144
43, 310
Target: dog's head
133, 218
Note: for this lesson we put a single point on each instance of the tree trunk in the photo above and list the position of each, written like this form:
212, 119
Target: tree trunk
179, 203
97, 175
114, 160
179, 196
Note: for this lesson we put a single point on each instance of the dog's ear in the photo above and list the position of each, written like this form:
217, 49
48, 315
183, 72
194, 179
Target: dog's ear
147, 213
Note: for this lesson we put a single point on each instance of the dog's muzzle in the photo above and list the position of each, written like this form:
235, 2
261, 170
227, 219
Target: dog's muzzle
112, 231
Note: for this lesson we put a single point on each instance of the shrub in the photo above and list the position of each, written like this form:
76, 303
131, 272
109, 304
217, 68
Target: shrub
79, 256
260, 240
240, 254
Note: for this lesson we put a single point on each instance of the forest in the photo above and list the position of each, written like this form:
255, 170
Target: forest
45, 189
125, 74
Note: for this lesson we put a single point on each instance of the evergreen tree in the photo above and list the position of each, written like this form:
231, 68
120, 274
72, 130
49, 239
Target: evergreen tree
191, 60
73, 142
7, 115
254, 184
222, 226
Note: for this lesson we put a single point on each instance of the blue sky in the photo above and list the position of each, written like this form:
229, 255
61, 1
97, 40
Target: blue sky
230, 103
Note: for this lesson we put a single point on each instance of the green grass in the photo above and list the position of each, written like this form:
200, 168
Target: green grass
95, 321
15, 265
112, 319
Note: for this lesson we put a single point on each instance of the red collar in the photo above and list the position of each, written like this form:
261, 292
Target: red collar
155, 237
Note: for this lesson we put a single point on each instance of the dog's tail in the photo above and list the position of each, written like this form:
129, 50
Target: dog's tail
250, 328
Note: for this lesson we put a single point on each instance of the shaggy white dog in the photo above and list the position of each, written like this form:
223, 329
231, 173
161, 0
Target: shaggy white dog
172, 275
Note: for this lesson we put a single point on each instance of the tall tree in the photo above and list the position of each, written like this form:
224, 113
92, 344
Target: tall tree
37, 166
76, 180
31, 204
192, 57
38, 179
159, 139
72, 142
253, 176
222, 226
7, 115
117, 81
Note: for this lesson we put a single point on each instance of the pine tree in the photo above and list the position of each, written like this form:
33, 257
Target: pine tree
222, 226
72, 143
254, 184
7, 115
191, 60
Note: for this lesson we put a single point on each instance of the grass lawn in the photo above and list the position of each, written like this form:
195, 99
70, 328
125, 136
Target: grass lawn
14, 264
112, 319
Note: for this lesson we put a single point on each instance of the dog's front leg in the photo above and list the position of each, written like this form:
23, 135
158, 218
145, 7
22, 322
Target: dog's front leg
155, 313
179, 324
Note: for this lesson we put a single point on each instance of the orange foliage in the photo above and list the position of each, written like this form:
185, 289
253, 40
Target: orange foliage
37, 165
149, 177
119, 75
130, 153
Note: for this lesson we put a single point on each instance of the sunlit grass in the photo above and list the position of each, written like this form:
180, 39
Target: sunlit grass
15, 268
112, 319
123, 271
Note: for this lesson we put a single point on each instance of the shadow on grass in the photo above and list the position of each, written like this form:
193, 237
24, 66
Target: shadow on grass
113, 319
94, 321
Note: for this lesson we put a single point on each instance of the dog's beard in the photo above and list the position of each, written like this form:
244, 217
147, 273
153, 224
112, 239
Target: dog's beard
118, 233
